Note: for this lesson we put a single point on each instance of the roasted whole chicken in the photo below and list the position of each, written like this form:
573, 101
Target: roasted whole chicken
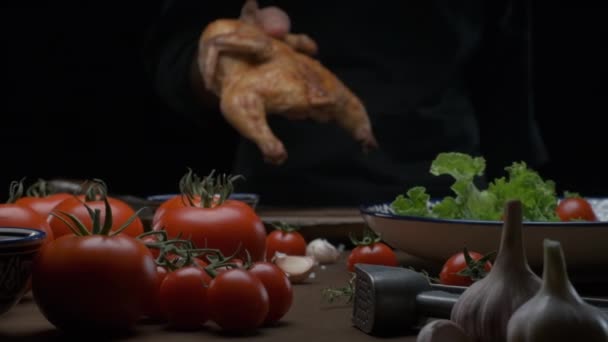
254, 75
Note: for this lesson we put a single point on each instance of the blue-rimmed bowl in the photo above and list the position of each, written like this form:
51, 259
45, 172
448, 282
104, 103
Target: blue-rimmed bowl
584, 243
249, 198
18, 247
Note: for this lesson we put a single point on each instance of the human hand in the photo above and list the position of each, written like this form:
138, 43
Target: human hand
274, 21
277, 24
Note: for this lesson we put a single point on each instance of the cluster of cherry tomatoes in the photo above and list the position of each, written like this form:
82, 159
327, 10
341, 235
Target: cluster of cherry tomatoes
99, 271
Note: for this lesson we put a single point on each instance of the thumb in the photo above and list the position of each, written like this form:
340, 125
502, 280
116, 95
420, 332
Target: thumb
274, 21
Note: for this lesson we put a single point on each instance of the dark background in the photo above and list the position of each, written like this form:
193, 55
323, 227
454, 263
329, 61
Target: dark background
81, 64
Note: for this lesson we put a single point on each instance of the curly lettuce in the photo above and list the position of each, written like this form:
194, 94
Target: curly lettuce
538, 196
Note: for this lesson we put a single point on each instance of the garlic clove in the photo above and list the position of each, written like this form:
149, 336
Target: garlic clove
442, 330
556, 312
298, 268
322, 251
484, 308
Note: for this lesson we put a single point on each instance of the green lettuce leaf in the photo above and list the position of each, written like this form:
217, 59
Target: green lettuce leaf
415, 203
538, 196
470, 202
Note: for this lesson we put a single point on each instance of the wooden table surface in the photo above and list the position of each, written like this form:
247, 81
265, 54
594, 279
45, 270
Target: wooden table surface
310, 317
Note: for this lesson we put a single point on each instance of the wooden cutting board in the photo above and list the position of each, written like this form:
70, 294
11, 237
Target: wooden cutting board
334, 224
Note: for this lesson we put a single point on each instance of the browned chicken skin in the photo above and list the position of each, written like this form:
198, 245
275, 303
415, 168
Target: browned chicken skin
254, 75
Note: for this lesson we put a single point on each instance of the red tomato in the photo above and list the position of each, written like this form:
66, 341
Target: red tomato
150, 239
188, 184
14, 215
227, 227
179, 260
457, 263
575, 208
238, 262
43, 205
238, 301
121, 212
278, 286
94, 283
377, 253
179, 201
183, 298
153, 308
286, 241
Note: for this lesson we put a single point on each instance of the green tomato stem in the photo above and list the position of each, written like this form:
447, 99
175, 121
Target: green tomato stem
15, 191
39, 189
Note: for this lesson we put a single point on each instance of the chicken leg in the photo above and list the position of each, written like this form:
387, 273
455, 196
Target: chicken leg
245, 112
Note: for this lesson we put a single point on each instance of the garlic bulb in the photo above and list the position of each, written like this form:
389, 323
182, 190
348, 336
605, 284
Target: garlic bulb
322, 251
442, 330
484, 309
556, 312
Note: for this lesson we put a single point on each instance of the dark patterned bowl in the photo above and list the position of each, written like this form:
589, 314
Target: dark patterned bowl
18, 247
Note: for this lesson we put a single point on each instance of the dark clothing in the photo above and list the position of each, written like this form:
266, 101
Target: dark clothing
435, 76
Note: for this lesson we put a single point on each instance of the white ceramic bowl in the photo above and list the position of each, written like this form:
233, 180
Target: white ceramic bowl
585, 244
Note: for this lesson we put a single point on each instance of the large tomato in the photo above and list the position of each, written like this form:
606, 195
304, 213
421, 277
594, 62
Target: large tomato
40, 197
278, 286
285, 239
189, 185
575, 208
121, 213
178, 201
43, 205
228, 226
463, 270
94, 283
18, 216
238, 301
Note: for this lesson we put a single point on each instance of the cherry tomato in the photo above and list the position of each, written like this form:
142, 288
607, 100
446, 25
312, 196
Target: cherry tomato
238, 301
472, 270
151, 239
94, 283
278, 286
230, 226
378, 254
153, 308
121, 213
183, 298
236, 261
370, 250
285, 239
43, 205
575, 208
